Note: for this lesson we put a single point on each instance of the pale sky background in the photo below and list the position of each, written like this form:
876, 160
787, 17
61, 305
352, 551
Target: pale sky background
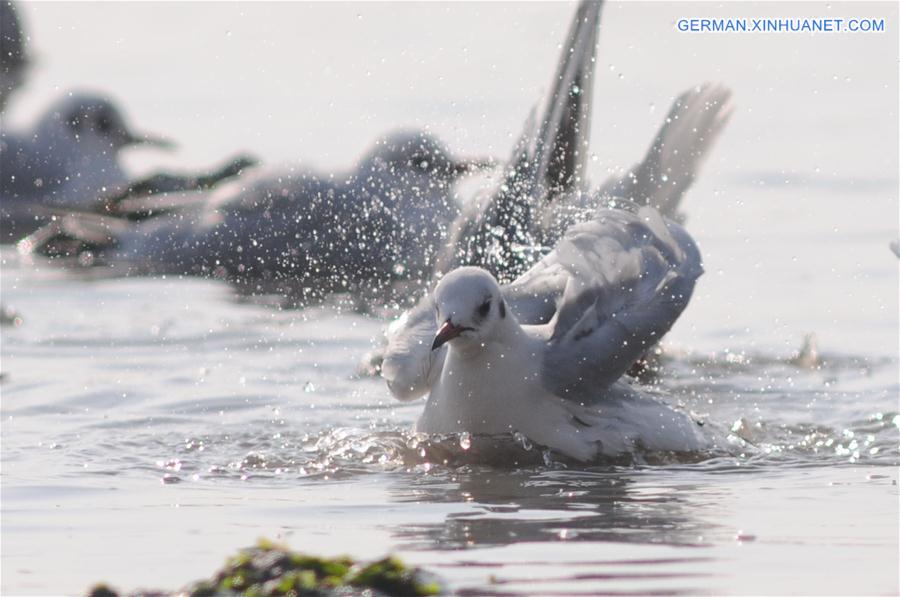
318, 81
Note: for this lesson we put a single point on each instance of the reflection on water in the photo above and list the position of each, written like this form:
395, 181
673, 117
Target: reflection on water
556, 508
541, 506
636, 531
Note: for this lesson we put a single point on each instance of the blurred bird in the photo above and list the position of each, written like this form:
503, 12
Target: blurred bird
389, 220
68, 160
317, 232
386, 222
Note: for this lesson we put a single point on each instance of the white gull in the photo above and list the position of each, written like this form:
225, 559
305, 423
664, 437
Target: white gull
68, 159
543, 356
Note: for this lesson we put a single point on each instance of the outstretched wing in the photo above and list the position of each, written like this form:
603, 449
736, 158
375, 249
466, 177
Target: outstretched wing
410, 366
693, 124
630, 275
496, 231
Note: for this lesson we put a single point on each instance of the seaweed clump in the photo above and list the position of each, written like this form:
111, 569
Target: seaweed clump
269, 569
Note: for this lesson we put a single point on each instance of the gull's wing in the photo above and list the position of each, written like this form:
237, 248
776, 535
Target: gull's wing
693, 124
495, 232
560, 148
630, 275
410, 367
534, 297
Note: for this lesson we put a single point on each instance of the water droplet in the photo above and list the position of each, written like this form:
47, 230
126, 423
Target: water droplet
465, 441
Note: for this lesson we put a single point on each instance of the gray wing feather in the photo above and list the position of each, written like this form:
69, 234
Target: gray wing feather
499, 231
410, 366
630, 277
694, 122
534, 296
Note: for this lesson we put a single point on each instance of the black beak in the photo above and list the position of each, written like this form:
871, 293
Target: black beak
151, 140
447, 332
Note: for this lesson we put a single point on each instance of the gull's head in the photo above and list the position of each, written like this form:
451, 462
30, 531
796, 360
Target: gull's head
469, 307
414, 154
90, 123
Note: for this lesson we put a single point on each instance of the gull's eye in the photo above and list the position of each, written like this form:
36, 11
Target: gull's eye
485, 308
104, 124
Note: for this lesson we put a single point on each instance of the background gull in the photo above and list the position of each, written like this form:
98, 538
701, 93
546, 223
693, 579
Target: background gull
68, 159
313, 232
614, 285
71, 157
279, 231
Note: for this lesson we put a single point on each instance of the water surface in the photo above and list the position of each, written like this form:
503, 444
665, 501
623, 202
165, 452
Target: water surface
153, 426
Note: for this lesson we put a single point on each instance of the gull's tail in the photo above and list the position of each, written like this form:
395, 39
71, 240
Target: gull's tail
694, 122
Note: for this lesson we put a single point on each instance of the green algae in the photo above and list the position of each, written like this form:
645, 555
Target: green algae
270, 569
